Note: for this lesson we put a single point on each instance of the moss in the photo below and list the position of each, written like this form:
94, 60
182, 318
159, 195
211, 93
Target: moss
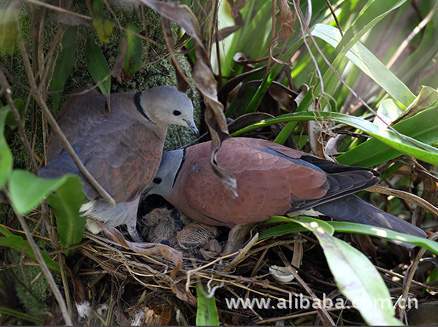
30, 285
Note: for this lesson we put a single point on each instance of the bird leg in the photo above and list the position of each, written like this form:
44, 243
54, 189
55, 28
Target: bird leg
236, 238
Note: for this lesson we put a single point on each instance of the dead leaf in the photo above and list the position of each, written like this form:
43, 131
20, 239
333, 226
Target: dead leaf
226, 31
283, 95
286, 19
183, 83
183, 295
152, 249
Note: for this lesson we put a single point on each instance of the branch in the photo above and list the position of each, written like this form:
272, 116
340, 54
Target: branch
408, 197
51, 281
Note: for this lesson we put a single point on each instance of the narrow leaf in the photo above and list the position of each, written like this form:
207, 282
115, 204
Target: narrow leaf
346, 227
423, 126
366, 61
355, 276
9, 32
64, 66
18, 243
98, 68
206, 311
387, 113
393, 139
66, 202
6, 160
133, 60
370, 15
104, 29
35, 320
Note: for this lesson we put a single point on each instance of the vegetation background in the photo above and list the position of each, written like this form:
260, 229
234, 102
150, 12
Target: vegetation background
349, 80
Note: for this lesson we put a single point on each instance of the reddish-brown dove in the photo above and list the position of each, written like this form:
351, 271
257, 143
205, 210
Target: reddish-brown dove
120, 142
271, 180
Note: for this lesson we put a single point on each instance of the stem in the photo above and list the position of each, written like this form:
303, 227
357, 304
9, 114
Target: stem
51, 281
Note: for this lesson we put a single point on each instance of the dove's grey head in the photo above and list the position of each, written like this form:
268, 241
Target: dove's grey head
165, 105
167, 174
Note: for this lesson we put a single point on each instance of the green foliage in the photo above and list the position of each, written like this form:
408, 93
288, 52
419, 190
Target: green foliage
64, 66
206, 311
21, 315
133, 60
104, 29
65, 194
5, 152
422, 126
395, 140
18, 243
355, 276
362, 52
289, 227
98, 67
66, 202
368, 63
9, 17
27, 191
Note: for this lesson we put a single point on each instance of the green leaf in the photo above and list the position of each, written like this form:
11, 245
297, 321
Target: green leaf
287, 130
134, 52
206, 311
373, 12
98, 67
66, 202
6, 160
433, 276
366, 61
397, 141
289, 227
355, 276
64, 66
347, 227
104, 29
27, 191
35, 320
387, 113
422, 55
64, 194
20, 104
251, 38
9, 20
18, 243
423, 126
427, 98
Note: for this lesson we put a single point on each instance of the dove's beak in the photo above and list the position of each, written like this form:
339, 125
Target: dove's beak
192, 126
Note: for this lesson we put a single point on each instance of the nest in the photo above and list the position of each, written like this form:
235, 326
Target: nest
157, 280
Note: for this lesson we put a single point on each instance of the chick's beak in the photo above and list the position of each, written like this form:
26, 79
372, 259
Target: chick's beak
192, 126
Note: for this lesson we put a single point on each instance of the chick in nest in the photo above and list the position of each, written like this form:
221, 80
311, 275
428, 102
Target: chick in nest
168, 226
199, 238
161, 226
